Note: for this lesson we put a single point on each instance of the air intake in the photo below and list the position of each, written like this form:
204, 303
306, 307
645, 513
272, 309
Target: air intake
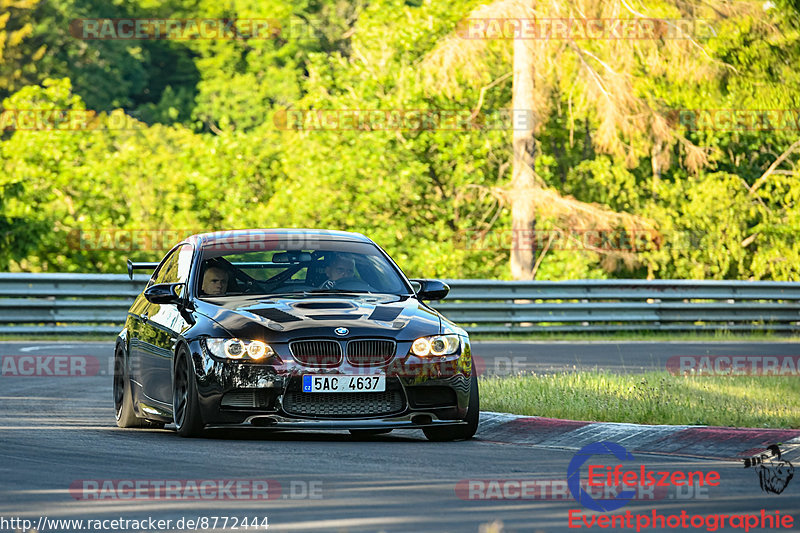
316, 353
344, 404
370, 352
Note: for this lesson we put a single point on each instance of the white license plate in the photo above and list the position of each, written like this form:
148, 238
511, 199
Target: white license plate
312, 383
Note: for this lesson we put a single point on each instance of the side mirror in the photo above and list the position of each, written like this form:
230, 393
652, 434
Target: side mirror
163, 293
430, 289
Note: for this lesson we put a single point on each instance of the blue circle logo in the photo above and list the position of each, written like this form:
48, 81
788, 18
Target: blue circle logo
341, 331
574, 476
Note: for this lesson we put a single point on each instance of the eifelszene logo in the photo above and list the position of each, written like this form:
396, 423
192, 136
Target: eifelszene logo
773, 476
639, 476
611, 477
574, 476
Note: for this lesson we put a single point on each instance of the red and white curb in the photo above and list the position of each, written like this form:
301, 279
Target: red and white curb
705, 442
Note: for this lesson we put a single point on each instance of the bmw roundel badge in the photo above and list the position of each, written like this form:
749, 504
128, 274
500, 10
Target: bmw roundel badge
341, 331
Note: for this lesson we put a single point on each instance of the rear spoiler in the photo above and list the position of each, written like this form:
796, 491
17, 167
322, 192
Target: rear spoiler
139, 266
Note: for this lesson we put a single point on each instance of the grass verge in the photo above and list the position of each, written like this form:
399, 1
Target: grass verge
650, 336
649, 398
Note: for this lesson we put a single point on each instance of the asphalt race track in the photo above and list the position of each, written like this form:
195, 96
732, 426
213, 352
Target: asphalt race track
62, 457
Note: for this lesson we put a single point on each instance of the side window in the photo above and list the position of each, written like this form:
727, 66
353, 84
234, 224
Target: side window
175, 269
185, 254
158, 274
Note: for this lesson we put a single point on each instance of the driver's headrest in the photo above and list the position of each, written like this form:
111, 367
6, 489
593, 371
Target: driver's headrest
334, 257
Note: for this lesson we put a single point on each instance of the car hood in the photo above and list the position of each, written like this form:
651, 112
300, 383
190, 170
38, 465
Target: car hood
288, 317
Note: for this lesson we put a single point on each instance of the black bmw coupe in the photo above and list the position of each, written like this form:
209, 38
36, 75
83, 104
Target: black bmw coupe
291, 329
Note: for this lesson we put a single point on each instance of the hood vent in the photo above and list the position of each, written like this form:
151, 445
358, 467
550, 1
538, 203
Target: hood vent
275, 315
335, 317
385, 314
325, 305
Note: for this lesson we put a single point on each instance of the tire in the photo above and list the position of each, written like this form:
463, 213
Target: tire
462, 432
369, 432
123, 399
185, 406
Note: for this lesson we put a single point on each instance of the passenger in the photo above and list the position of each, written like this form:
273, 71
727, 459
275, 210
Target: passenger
341, 267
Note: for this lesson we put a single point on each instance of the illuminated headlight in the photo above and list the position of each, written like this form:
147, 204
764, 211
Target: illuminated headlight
436, 345
239, 349
257, 350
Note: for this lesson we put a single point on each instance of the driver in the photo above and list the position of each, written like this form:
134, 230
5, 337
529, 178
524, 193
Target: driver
215, 281
342, 267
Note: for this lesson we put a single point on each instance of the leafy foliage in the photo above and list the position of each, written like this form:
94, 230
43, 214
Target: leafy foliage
203, 145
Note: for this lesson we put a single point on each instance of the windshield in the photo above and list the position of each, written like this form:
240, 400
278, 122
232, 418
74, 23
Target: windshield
331, 267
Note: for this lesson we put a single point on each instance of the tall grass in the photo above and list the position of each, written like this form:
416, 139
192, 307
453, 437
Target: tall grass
649, 398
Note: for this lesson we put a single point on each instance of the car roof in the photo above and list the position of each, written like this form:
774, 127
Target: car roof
220, 237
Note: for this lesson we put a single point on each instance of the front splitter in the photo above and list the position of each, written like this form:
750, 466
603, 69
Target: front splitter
278, 422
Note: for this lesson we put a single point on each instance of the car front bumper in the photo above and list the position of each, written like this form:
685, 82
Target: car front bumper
421, 393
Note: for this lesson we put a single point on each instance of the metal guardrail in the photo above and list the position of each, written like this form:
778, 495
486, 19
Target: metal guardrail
69, 304
489, 306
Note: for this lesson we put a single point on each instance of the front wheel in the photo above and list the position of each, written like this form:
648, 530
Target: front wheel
465, 431
185, 406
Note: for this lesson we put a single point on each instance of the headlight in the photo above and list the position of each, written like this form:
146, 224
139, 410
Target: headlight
239, 349
436, 345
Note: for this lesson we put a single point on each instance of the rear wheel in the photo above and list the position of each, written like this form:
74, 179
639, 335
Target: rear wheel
465, 431
185, 406
123, 399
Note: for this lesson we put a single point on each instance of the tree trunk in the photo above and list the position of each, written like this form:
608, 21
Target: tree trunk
655, 161
523, 219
